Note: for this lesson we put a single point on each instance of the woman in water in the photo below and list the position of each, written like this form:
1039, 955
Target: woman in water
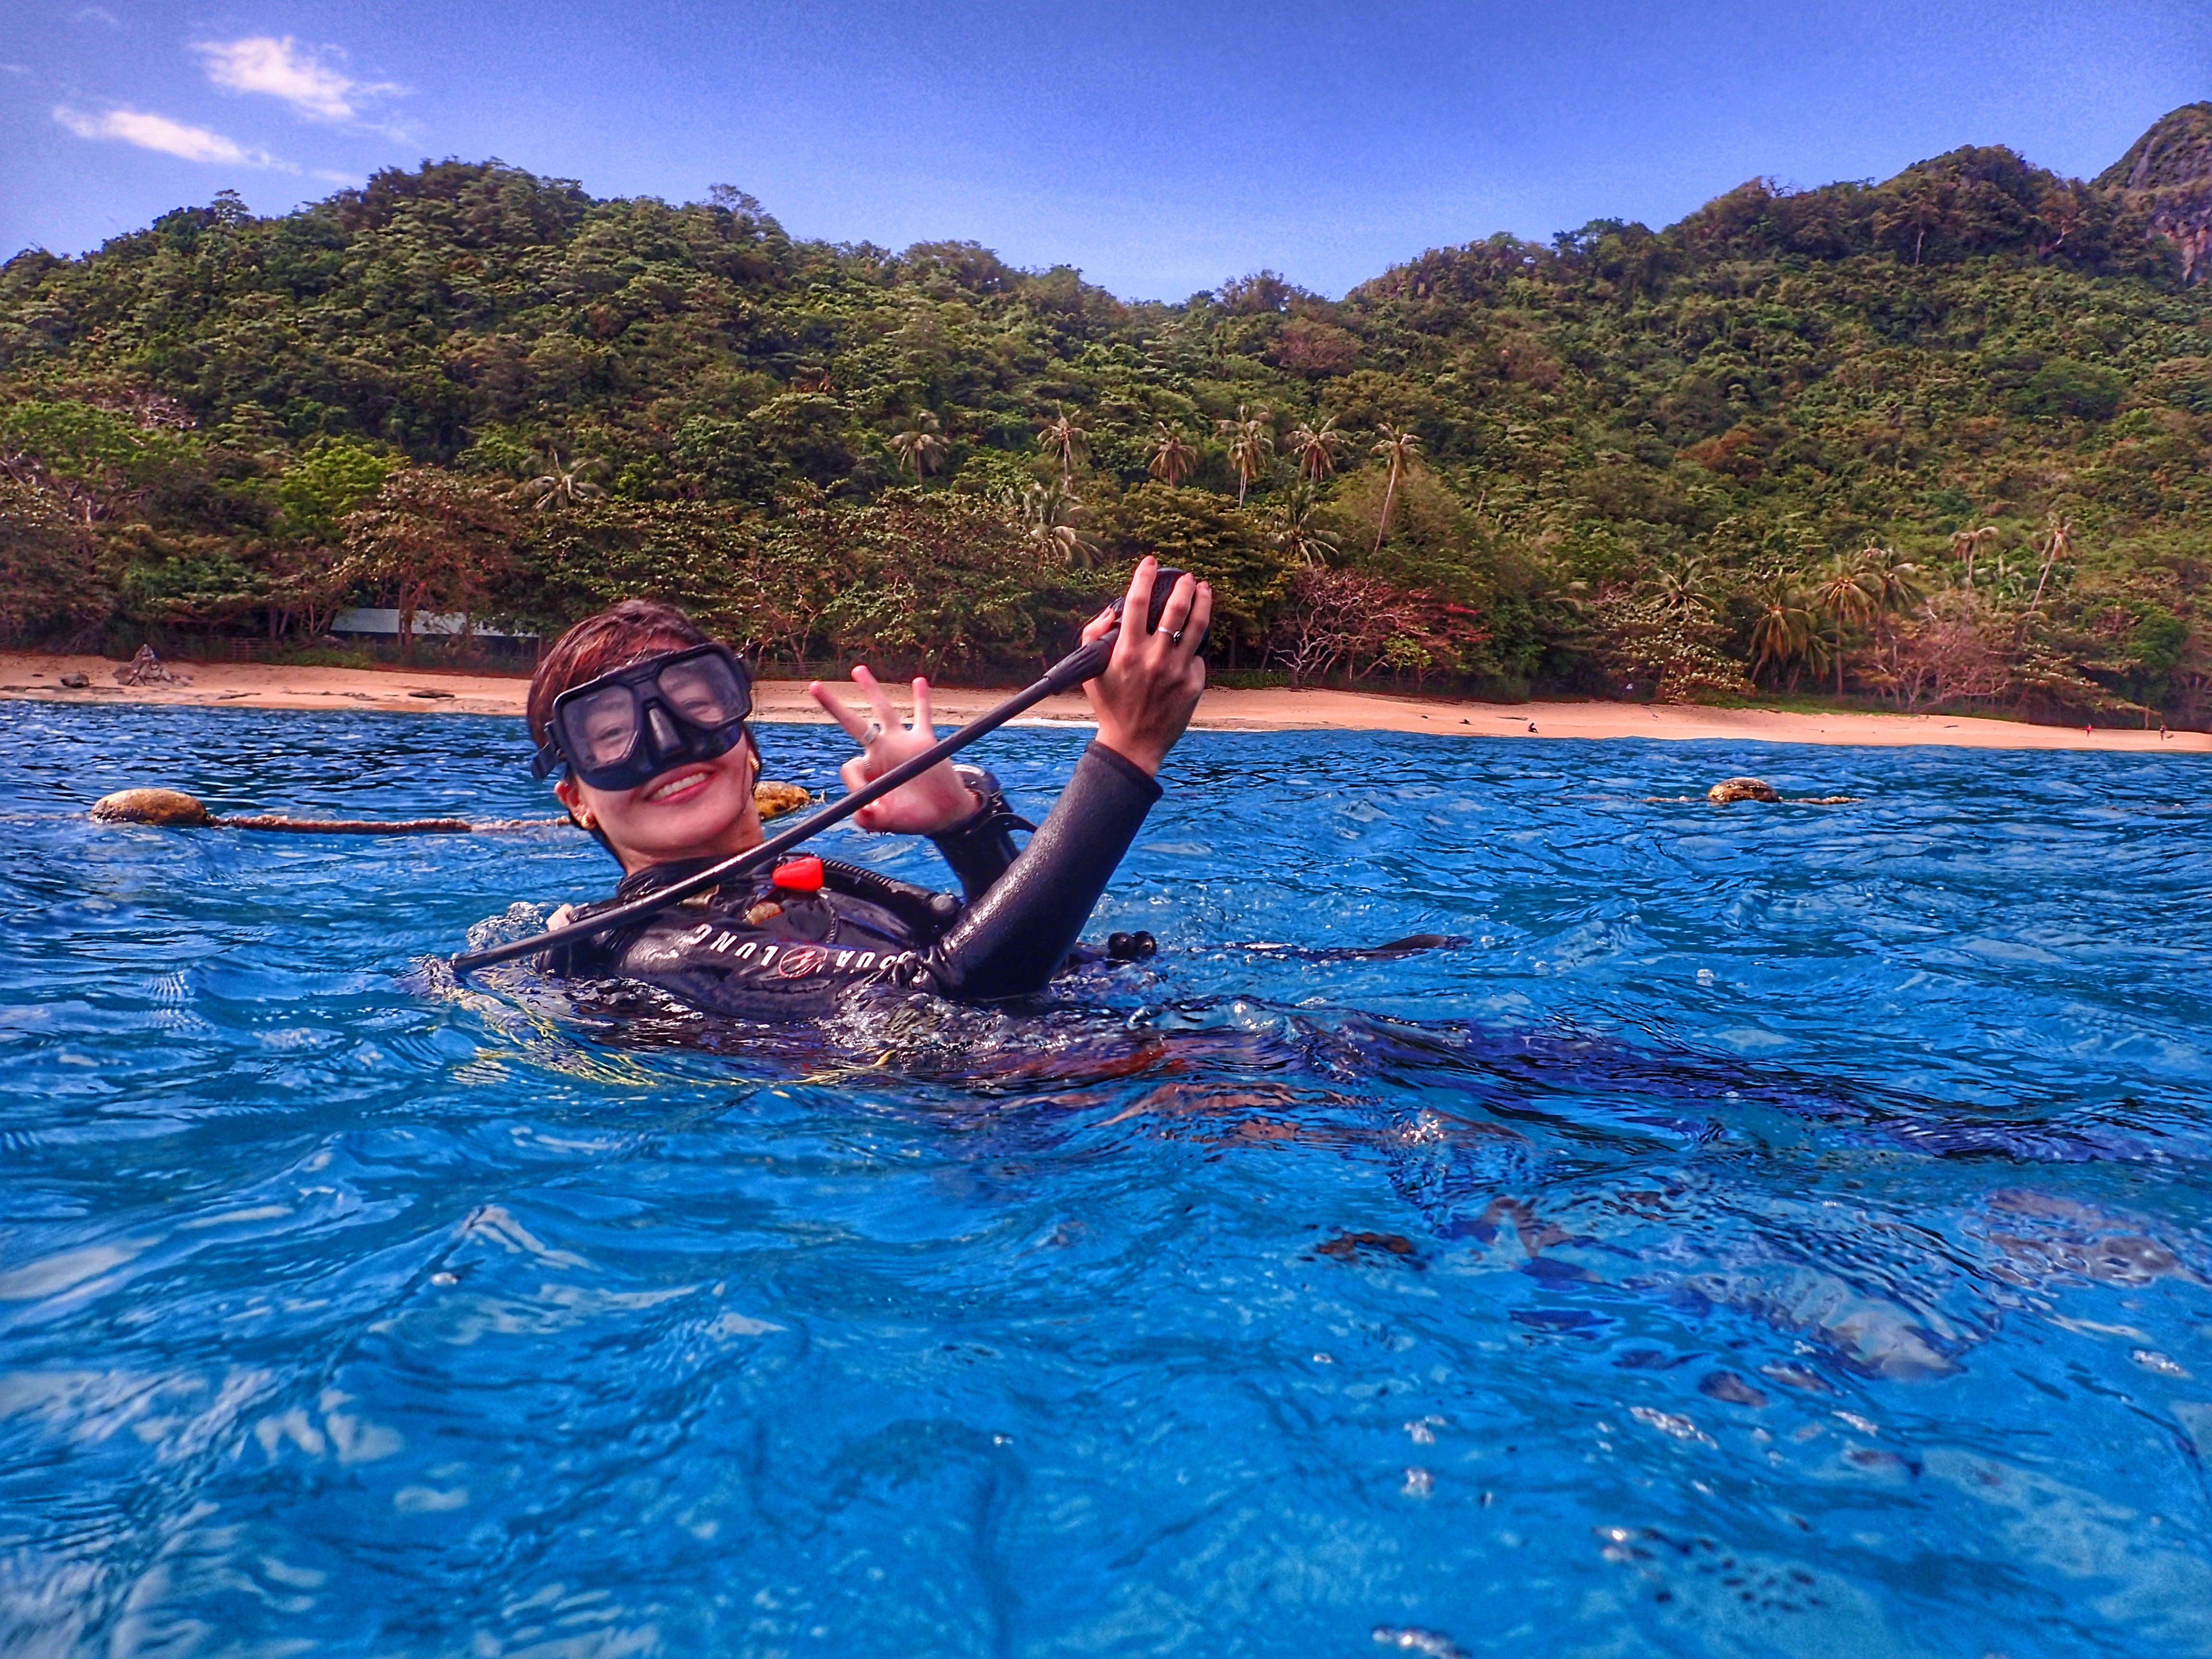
644, 716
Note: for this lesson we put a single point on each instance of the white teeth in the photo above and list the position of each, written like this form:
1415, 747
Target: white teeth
674, 784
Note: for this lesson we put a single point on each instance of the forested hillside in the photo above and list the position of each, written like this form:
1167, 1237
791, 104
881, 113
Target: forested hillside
1942, 438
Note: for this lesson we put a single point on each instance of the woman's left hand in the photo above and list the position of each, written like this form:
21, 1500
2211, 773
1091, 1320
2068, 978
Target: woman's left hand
935, 801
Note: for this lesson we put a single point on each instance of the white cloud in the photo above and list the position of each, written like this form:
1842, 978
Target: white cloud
261, 63
171, 137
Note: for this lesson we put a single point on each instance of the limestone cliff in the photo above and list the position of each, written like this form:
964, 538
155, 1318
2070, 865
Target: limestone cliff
2169, 172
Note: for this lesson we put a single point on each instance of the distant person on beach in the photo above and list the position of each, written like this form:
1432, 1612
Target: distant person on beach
646, 718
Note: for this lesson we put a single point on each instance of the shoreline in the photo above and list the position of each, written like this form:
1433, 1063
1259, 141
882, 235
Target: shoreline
27, 677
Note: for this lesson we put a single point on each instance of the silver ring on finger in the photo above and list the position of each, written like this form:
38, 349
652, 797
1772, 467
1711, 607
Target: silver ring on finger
1175, 638
875, 730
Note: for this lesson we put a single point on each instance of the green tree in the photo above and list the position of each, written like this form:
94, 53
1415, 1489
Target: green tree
1251, 440
1845, 596
2055, 543
706, 557
1299, 532
1204, 533
329, 479
1966, 544
560, 483
51, 584
1172, 457
432, 542
1316, 447
1050, 519
2064, 386
1399, 449
921, 445
99, 459
1890, 581
1785, 632
196, 583
945, 580
1061, 435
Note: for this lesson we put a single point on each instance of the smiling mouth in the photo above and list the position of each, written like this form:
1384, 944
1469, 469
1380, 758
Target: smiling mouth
678, 785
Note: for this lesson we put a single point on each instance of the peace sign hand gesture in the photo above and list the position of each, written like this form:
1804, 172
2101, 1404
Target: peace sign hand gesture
932, 803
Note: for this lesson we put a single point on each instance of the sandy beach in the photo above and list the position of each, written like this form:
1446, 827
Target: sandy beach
253, 685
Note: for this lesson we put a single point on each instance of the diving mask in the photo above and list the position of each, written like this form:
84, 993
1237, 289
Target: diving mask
628, 726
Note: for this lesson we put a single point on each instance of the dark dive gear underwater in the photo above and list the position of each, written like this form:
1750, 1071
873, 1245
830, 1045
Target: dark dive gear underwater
629, 726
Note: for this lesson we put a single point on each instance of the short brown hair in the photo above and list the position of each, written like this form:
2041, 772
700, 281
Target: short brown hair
615, 637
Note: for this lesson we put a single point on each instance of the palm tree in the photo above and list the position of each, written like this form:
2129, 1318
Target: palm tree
1314, 448
1843, 594
1173, 456
1072, 442
1784, 632
1251, 442
1048, 515
1400, 448
2057, 541
560, 484
1890, 581
1297, 534
1964, 543
1682, 591
921, 445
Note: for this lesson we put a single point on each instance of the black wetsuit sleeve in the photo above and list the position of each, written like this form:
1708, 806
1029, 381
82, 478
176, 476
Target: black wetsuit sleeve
1013, 939
981, 848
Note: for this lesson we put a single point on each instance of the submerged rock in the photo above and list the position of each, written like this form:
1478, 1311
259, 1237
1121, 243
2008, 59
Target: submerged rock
1736, 789
1727, 1385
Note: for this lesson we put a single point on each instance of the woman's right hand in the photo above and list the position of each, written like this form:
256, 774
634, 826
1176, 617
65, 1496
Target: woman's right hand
1150, 686
934, 802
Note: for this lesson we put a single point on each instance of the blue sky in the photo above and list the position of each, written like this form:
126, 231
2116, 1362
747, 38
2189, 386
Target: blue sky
1161, 147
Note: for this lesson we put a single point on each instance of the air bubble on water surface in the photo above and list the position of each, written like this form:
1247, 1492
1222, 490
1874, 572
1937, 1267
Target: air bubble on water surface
1426, 1642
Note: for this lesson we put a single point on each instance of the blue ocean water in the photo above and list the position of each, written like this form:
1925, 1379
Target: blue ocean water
1770, 1231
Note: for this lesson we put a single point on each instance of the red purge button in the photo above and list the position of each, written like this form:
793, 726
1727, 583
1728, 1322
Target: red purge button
801, 875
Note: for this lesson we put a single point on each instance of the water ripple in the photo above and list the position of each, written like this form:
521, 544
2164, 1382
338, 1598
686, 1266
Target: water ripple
1775, 1231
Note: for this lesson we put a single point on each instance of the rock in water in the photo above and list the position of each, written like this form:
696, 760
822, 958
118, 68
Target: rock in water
1734, 789
171, 809
775, 799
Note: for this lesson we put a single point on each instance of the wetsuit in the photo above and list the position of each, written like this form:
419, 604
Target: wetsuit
760, 952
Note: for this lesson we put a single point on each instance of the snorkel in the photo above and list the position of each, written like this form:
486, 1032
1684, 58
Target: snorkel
1084, 662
